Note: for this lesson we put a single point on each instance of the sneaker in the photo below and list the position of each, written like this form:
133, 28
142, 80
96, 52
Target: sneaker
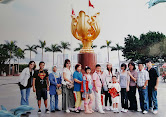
114, 110
107, 108
139, 110
117, 110
57, 110
53, 111
67, 111
155, 111
145, 112
102, 112
47, 111
39, 111
122, 110
72, 109
111, 108
77, 111
125, 110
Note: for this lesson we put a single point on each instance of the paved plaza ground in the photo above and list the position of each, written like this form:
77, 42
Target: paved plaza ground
10, 98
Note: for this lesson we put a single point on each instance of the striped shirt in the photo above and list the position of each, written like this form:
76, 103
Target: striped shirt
143, 75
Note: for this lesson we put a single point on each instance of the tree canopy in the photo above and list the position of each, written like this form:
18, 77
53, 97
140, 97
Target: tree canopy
141, 48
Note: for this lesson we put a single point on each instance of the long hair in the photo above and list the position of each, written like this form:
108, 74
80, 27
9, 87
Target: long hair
34, 64
108, 69
66, 61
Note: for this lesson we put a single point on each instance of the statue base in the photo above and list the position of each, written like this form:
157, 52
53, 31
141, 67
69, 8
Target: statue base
87, 59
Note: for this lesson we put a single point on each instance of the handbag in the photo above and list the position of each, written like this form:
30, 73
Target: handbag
59, 90
102, 90
70, 86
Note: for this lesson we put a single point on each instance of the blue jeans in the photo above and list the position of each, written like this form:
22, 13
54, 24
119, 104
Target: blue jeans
53, 102
144, 101
25, 93
152, 98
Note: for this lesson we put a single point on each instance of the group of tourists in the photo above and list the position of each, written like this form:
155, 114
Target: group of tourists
77, 87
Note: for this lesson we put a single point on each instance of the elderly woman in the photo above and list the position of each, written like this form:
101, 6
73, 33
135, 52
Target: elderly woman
55, 82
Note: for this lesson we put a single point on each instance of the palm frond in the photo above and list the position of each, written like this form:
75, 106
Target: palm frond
65, 45
47, 49
104, 46
94, 46
34, 51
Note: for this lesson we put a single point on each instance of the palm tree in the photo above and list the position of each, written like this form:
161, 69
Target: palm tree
64, 46
107, 46
19, 54
42, 46
117, 48
79, 48
31, 49
11, 47
54, 48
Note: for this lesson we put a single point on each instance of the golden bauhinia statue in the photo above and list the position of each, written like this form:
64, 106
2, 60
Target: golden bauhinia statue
85, 29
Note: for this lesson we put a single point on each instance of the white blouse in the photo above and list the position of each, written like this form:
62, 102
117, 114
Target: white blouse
68, 76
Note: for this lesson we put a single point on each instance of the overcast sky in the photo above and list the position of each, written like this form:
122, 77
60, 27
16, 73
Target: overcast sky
27, 21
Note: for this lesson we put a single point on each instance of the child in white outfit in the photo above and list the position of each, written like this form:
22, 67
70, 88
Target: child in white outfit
115, 100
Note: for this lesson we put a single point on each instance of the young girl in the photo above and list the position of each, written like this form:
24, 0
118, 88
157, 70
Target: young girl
87, 83
115, 100
77, 76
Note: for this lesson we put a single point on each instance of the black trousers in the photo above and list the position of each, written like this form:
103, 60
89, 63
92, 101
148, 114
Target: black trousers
107, 96
124, 98
132, 98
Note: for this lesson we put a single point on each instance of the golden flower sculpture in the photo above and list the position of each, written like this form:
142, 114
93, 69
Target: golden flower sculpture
85, 29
